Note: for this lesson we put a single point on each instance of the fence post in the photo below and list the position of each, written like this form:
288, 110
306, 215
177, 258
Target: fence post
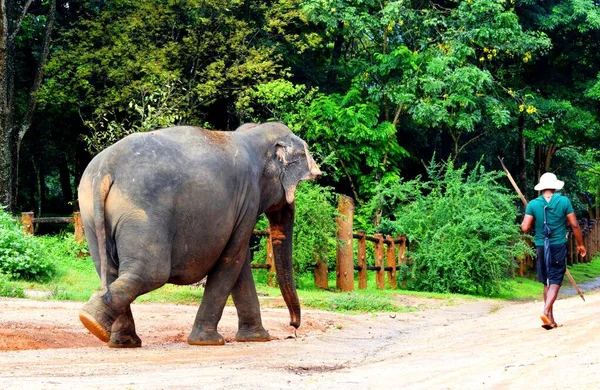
345, 253
573, 248
402, 255
594, 237
391, 262
78, 227
27, 222
362, 261
321, 271
379, 276
271, 275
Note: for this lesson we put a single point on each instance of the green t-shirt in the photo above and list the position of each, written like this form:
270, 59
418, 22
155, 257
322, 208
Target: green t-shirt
556, 215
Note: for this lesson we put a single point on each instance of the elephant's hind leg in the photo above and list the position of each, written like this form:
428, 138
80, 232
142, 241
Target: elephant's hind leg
122, 333
136, 276
244, 296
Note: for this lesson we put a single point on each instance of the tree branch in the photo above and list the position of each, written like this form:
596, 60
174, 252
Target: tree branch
345, 172
13, 35
39, 75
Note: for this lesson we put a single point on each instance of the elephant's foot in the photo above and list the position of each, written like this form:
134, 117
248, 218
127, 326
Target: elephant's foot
94, 316
95, 327
205, 337
253, 335
124, 341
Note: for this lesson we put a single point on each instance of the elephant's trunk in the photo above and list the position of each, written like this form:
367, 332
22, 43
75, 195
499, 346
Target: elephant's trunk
282, 229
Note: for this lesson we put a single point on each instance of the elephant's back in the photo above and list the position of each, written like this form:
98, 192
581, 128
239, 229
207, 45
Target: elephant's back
160, 163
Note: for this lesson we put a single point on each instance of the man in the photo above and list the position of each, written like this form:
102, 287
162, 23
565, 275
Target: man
550, 212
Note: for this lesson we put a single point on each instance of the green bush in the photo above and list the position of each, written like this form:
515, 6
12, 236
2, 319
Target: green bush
22, 256
462, 229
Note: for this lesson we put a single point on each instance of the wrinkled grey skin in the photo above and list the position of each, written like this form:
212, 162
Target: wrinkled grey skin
178, 204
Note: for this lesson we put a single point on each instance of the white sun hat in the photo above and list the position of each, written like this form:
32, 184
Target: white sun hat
548, 181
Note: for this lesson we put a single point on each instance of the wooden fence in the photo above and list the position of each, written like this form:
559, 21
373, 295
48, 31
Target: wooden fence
389, 252
28, 220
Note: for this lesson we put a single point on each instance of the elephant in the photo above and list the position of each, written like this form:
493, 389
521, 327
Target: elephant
177, 204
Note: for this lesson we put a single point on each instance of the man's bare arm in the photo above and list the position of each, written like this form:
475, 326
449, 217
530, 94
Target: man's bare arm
577, 233
527, 223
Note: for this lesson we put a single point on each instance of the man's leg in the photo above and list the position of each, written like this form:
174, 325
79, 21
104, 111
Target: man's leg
550, 295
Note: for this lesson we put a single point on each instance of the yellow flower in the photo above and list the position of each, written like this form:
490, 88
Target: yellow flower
521, 108
390, 28
333, 10
481, 59
489, 56
531, 109
485, 50
401, 22
510, 92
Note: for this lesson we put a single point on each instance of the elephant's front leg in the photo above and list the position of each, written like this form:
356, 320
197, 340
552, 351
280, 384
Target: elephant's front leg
219, 284
244, 295
123, 333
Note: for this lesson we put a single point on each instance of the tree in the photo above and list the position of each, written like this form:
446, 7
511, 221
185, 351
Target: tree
560, 85
16, 118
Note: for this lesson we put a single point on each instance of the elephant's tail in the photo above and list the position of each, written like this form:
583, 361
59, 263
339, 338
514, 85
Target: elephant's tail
101, 187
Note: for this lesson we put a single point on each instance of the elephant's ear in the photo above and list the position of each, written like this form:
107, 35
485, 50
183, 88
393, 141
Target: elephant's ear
297, 164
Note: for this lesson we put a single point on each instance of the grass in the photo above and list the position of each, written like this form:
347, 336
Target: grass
585, 271
76, 279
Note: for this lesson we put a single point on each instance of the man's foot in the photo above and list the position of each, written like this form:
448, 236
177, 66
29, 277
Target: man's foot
546, 321
550, 326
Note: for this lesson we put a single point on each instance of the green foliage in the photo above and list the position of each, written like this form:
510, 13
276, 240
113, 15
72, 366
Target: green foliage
347, 128
279, 100
114, 50
314, 228
461, 227
22, 256
157, 107
9, 288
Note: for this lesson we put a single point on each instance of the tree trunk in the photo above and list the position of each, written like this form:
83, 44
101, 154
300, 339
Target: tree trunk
65, 179
6, 183
335, 57
35, 88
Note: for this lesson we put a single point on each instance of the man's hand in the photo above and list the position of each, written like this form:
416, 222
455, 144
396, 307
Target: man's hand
572, 219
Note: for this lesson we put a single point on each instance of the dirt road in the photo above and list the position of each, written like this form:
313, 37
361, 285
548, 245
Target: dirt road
472, 344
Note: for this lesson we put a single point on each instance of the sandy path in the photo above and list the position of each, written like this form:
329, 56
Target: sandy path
474, 344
